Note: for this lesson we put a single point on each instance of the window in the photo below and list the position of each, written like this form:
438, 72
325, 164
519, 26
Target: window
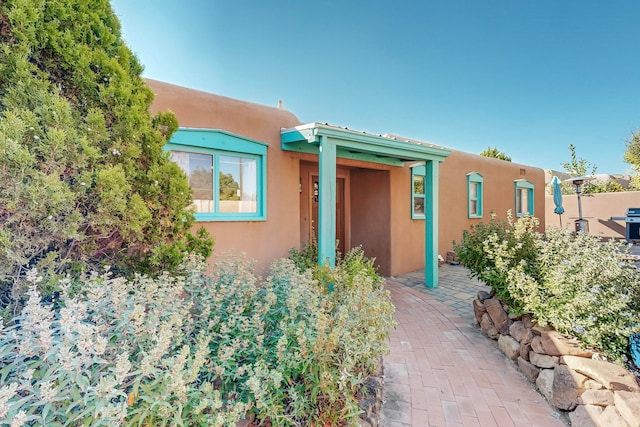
226, 172
417, 191
474, 192
524, 197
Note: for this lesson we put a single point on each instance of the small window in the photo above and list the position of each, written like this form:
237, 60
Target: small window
417, 191
474, 192
524, 197
226, 172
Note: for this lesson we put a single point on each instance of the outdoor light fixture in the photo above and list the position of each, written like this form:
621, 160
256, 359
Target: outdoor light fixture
582, 225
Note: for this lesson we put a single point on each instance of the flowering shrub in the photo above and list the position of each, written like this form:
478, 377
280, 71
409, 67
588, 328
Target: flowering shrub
117, 352
519, 237
580, 286
573, 282
305, 351
193, 349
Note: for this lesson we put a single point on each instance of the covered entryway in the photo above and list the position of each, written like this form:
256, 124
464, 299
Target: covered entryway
310, 205
330, 143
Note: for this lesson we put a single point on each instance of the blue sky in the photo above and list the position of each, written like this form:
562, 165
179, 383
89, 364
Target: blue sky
527, 77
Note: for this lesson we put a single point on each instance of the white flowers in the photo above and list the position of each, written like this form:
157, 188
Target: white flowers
47, 391
19, 419
6, 393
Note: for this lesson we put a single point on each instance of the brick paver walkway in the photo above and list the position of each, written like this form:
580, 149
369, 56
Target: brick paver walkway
443, 372
456, 290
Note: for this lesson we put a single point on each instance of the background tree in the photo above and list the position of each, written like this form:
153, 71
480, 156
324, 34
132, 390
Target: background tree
578, 166
228, 187
85, 180
632, 156
496, 154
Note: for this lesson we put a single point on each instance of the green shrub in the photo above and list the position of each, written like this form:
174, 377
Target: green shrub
352, 263
306, 350
306, 258
194, 349
573, 282
117, 351
519, 237
580, 286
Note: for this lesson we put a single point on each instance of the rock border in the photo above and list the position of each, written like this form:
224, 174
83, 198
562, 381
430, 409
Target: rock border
575, 380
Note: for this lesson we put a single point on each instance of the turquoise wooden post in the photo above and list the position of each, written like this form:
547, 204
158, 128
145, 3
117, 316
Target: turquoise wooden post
327, 203
431, 224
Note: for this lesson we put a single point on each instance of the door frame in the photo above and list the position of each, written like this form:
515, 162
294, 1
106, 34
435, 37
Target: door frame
307, 171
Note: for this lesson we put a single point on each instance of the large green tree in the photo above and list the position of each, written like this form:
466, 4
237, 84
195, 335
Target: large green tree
85, 179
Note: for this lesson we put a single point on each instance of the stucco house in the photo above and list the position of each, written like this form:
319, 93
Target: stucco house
264, 183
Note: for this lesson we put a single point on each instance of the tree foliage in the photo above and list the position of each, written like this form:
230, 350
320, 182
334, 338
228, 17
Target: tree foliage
496, 154
85, 179
578, 166
632, 155
228, 187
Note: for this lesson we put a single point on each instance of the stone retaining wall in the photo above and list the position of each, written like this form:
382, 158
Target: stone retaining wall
578, 381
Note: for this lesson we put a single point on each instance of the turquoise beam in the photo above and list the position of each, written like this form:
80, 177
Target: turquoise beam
327, 202
431, 224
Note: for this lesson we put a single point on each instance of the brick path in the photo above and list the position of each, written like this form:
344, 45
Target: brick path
442, 371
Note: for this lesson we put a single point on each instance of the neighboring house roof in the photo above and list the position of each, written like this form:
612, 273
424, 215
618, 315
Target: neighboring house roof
622, 179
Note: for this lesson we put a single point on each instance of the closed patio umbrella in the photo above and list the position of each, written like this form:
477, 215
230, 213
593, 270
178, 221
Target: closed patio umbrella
557, 198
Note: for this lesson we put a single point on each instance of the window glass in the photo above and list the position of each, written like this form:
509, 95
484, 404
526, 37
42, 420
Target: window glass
524, 197
473, 207
418, 205
523, 201
474, 188
417, 192
199, 170
418, 184
238, 184
226, 172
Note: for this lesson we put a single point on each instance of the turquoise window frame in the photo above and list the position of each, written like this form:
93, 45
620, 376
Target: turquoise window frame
475, 179
421, 171
529, 187
218, 143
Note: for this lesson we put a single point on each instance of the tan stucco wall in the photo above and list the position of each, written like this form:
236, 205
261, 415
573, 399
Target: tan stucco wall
263, 241
408, 235
597, 209
380, 210
370, 215
498, 188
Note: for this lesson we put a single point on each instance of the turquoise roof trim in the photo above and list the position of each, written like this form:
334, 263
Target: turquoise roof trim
359, 145
330, 142
217, 139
